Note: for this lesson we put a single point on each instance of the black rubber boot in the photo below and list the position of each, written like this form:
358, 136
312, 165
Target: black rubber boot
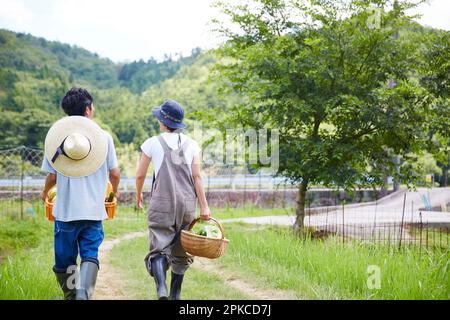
63, 277
88, 277
175, 286
159, 269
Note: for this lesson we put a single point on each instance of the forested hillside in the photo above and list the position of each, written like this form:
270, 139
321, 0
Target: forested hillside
35, 74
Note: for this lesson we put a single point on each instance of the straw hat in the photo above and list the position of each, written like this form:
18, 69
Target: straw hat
76, 146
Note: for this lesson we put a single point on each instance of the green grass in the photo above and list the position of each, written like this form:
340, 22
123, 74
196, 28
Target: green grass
128, 257
269, 257
327, 269
429, 237
129, 213
18, 234
27, 273
249, 211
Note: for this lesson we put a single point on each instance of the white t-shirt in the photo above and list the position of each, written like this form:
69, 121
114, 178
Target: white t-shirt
153, 149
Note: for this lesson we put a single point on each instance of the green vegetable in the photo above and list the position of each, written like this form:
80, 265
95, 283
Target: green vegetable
111, 196
207, 230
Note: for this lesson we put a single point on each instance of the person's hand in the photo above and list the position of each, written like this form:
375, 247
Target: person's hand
117, 195
205, 213
43, 195
139, 201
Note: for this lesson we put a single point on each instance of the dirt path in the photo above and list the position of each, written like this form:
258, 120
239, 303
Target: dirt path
241, 284
109, 282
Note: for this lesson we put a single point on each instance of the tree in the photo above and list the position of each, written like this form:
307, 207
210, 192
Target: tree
318, 71
435, 70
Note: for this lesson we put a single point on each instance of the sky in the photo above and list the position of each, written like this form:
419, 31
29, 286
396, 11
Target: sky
128, 30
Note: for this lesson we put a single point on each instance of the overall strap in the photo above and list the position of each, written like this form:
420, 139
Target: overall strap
185, 145
164, 144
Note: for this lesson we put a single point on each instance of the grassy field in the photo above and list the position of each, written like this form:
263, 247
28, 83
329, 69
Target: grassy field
431, 236
219, 213
129, 259
327, 269
27, 247
249, 211
268, 257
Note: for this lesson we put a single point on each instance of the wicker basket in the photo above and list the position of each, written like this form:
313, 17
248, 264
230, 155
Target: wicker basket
109, 206
202, 246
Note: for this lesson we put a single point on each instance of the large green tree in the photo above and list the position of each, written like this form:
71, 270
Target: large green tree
335, 78
435, 78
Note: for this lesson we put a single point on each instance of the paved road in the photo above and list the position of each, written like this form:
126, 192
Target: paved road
377, 219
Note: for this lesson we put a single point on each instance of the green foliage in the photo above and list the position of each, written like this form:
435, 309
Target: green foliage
139, 75
36, 73
192, 87
323, 82
435, 68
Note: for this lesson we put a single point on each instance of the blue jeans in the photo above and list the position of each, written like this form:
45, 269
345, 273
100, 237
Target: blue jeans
75, 237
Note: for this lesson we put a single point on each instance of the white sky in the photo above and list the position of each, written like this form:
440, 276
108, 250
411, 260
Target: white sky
126, 30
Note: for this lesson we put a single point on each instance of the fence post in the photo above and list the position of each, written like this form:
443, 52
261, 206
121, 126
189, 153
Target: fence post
245, 188
343, 222
375, 216
403, 220
22, 169
420, 237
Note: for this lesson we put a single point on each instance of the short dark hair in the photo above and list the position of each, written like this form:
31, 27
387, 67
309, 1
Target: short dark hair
76, 101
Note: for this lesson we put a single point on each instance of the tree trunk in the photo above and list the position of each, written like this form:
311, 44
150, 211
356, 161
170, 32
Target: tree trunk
397, 169
444, 178
300, 210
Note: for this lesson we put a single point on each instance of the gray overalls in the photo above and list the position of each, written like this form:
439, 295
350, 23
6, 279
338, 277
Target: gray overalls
172, 208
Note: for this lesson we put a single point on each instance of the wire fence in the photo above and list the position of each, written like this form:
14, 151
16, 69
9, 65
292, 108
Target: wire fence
328, 212
19, 169
388, 227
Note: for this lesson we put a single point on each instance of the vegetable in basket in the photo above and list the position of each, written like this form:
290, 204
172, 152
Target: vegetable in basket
207, 230
109, 193
52, 194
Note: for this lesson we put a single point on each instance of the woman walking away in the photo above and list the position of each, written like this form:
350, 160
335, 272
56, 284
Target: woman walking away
176, 187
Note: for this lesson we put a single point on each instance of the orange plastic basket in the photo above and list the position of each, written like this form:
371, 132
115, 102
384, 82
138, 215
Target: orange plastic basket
202, 246
109, 206
49, 210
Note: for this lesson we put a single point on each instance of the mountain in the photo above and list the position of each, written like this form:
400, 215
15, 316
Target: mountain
36, 73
